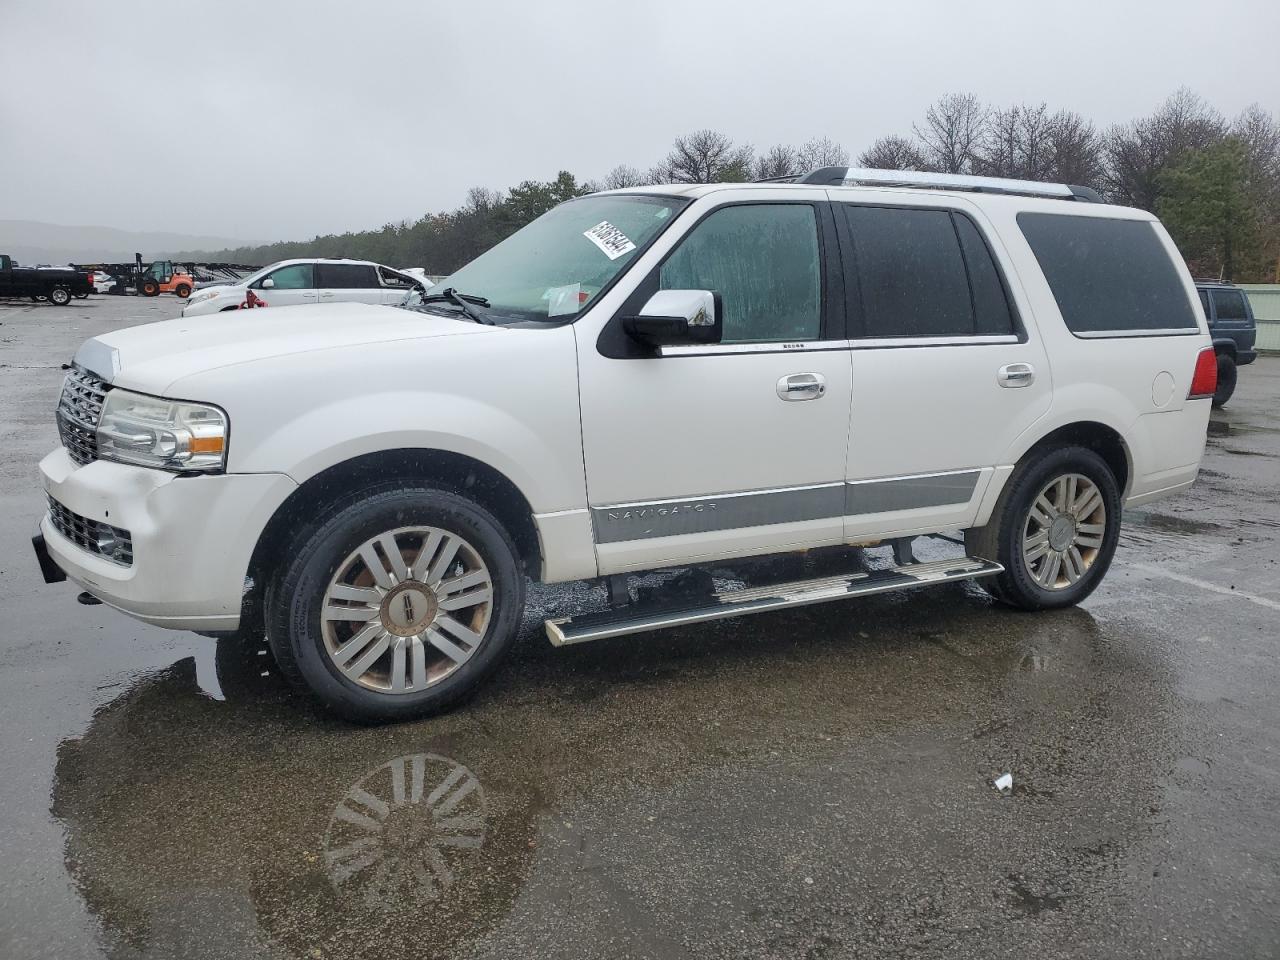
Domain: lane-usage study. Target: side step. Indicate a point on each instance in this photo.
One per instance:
(639, 617)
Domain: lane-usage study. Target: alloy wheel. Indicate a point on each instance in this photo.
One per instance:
(406, 609)
(1063, 534)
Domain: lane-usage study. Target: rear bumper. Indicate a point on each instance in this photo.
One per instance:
(192, 537)
(1245, 356)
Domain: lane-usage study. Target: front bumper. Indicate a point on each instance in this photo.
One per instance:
(192, 537)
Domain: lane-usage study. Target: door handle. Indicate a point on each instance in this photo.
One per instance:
(802, 386)
(1016, 375)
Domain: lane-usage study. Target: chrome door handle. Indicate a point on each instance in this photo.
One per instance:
(802, 386)
(1016, 375)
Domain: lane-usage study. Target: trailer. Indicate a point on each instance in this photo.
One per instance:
(165, 276)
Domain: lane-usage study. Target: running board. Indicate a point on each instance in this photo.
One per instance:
(639, 617)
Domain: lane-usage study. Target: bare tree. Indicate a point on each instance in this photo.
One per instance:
(1016, 143)
(623, 176)
(952, 133)
(705, 156)
(1137, 153)
(777, 161)
(892, 153)
(822, 152)
(1075, 149)
(1260, 134)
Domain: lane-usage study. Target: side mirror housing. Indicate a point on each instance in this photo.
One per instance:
(268, 283)
(675, 317)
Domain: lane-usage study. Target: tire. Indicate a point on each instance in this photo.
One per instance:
(36, 298)
(325, 571)
(182, 291)
(1041, 480)
(1227, 375)
(82, 296)
(149, 288)
(59, 296)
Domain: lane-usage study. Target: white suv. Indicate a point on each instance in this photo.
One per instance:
(654, 378)
(291, 283)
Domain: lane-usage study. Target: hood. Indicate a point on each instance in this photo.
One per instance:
(152, 356)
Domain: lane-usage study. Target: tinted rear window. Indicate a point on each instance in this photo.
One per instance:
(1229, 304)
(1108, 275)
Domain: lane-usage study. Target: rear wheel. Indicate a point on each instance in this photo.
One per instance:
(60, 296)
(1227, 375)
(182, 291)
(82, 296)
(1054, 530)
(397, 604)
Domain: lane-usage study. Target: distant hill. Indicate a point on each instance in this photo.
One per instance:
(30, 241)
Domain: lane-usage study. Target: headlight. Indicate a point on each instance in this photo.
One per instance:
(202, 297)
(154, 432)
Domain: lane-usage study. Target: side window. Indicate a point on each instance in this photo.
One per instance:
(991, 314)
(1108, 275)
(392, 279)
(1204, 303)
(911, 272)
(763, 261)
(296, 276)
(1229, 304)
(346, 276)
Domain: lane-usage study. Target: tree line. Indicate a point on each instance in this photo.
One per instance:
(1213, 180)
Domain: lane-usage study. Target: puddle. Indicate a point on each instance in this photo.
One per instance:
(1172, 524)
(1219, 428)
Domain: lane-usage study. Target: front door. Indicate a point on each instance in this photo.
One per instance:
(291, 285)
(704, 452)
(945, 376)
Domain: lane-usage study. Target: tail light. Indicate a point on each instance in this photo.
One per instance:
(1205, 379)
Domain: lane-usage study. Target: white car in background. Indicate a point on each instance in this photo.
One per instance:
(307, 281)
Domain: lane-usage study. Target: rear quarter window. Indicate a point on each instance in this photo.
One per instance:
(1110, 277)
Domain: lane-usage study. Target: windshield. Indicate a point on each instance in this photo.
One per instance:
(552, 268)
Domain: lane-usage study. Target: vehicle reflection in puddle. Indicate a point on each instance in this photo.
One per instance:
(657, 790)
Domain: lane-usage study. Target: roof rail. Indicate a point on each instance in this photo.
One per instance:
(865, 176)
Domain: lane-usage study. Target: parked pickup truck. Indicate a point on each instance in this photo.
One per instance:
(55, 285)
(664, 377)
(1233, 329)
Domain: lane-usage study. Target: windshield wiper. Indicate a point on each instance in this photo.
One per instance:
(462, 301)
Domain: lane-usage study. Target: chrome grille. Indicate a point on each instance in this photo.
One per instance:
(78, 411)
(101, 539)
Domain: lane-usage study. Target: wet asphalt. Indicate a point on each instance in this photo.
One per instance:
(811, 784)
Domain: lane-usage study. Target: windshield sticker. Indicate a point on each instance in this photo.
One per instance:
(613, 243)
(563, 300)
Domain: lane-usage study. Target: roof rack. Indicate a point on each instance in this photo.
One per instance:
(865, 176)
(1213, 281)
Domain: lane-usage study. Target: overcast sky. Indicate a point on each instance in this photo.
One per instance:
(279, 120)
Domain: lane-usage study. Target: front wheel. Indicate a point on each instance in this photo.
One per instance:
(396, 604)
(1054, 530)
(1227, 374)
(150, 288)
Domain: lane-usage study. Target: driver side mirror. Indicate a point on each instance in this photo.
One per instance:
(675, 317)
(268, 283)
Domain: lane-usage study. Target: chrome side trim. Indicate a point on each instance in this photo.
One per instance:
(720, 605)
(881, 343)
(820, 346)
(909, 493)
(757, 508)
(729, 511)
(1113, 334)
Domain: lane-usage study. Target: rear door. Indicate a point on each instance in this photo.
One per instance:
(348, 283)
(945, 376)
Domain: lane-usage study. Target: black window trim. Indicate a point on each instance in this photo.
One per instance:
(615, 344)
(859, 339)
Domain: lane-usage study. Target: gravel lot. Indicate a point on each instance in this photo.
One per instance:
(814, 783)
